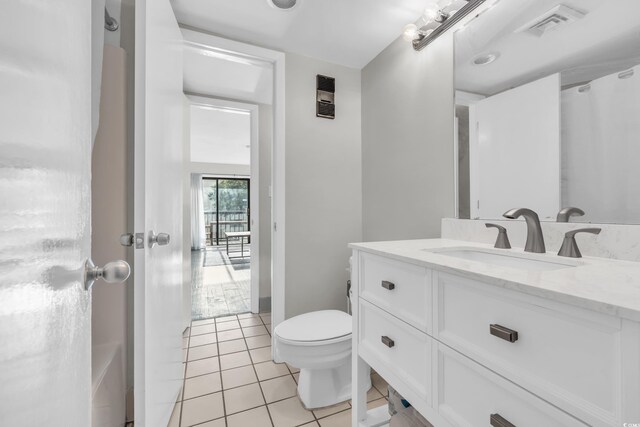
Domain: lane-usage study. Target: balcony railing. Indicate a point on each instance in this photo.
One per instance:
(228, 221)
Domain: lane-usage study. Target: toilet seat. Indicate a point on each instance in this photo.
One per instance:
(315, 328)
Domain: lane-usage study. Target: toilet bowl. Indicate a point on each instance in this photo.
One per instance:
(319, 344)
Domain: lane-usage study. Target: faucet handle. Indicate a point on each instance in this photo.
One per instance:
(570, 246)
(568, 212)
(502, 242)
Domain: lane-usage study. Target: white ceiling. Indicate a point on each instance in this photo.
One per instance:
(220, 136)
(346, 32)
(226, 75)
(605, 40)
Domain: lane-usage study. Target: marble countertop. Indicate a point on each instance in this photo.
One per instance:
(599, 284)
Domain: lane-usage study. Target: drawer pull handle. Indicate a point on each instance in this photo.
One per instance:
(388, 285)
(503, 332)
(497, 421)
(388, 341)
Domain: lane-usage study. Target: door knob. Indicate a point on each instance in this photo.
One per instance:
(129, 239)
(112, 272)
(160, 239)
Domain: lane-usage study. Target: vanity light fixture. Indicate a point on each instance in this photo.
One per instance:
(437, 19)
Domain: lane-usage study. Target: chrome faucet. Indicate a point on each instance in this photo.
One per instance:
(535, 240)
(566, 213)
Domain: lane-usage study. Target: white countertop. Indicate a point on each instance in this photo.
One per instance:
(599, 284)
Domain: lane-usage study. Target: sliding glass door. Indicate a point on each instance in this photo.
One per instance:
(226, 207)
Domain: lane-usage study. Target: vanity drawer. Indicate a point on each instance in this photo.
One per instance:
(567, 356)
(471, 395)
(402, 289)
(390, 345)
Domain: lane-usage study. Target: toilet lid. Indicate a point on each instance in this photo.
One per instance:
(315, 326)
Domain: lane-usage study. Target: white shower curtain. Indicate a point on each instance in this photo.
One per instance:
(198, 238)
(601, 148)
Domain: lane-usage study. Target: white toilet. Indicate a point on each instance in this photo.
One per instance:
(319, 344)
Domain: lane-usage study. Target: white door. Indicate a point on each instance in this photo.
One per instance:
(45, 217)
(514, 151)
(158, 209)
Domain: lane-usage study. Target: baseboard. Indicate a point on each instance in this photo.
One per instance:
(264, 305)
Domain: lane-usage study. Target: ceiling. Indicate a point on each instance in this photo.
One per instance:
(220, 136)
(605, 40)
(226, 75)
(346, 32)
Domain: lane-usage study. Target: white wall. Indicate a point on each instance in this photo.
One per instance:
(407, 141)
(323, 188)
(265, 138)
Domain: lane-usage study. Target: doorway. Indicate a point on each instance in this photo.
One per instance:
(221, 271)
(224, 210)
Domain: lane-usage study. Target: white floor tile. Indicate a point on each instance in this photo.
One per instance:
(289, 413)
(238, 377)
(258, 417)
(204, 384)
(202, 366)
(242, 398)
(268, 370)
(201, 409)
(235, 360)
(279, 388)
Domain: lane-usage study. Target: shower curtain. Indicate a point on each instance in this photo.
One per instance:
(198, 238)
(601, 148)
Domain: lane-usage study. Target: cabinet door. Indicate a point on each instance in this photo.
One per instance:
(470, 395)
(392, 346)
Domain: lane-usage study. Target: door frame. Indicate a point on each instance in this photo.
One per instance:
(254, 181)
(221, 46)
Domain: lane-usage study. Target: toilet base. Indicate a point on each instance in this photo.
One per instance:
(318, 388)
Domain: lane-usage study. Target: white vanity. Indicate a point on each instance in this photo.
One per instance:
(476, 336)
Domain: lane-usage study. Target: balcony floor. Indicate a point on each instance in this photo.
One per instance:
(219, 286)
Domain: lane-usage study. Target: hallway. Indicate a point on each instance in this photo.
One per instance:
(221, 286)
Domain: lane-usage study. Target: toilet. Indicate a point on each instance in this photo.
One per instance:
(319, 344)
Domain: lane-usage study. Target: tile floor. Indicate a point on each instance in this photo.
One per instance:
(230, 380)
(220, 286)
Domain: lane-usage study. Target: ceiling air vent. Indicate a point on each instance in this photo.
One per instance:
(551, 20)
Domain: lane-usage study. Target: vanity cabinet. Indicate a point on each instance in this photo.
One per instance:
(469, 353)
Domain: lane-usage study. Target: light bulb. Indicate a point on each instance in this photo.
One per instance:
(431, 12)
(410, 32)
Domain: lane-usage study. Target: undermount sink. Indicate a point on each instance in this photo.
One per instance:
(511, 260)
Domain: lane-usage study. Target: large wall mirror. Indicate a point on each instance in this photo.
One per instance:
(548, 110)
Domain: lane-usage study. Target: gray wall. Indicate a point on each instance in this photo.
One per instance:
(407, 141)
(323, 186)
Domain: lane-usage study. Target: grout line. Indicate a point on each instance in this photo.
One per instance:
(224, 404)
(259, 385)
(184, 376)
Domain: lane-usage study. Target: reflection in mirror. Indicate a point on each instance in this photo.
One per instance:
(548, 110)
